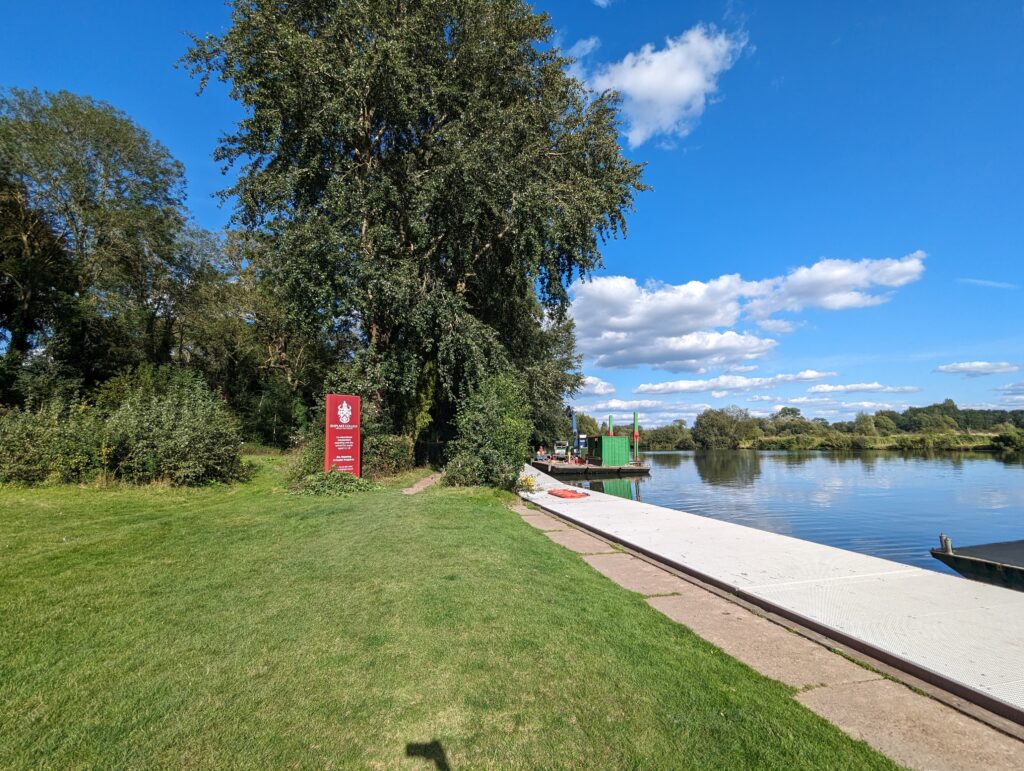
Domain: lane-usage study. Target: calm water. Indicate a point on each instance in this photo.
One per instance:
(884, 504)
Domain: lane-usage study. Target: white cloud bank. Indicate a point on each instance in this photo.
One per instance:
(595, 386)
(665, 90)
(730, 383)
(978, 368)
(853, 388)
(685, 327)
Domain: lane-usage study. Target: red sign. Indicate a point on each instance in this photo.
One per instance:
(341, 452)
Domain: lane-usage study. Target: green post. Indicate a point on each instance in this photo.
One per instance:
(611, 425)
(636, 437)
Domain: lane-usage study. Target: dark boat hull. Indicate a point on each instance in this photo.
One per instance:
(978, 568)
(557, 469)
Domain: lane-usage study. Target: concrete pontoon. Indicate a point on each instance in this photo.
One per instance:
(962, 636)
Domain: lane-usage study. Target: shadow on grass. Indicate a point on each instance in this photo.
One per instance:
(432, 751)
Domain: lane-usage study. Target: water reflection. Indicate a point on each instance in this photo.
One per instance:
(728, 467)
(620, 487)
(667, 459)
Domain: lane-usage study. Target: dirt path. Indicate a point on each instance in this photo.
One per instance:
(423, 484)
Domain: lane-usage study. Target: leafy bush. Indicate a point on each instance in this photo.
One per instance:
(385, 455)
(1009, 441)
(59, 442)
(715, 430)
(464, 470)
(335, 483)
(493, 435)
(170, 427)
(307, 456)
(929, 442)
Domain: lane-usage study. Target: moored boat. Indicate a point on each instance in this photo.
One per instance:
(1000, 564)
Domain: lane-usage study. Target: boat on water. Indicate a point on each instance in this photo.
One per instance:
(1000, 564)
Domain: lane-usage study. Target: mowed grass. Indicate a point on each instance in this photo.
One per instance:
(242, 627)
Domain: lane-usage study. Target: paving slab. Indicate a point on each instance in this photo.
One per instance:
(579, 542)
(917, 732)
(962, 634)
(636, 575)
(544, 522)
(759, 643)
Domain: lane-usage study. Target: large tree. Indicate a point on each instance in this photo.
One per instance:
(90, 183)
(427, 171)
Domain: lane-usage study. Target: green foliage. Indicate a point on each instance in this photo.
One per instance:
(450, 183)
(864, 425)
(335, 483)
(675, 436)
(493, 435)
(148, 425)
(114, 278)
(885, 425)
(1009, 440)
(385, 455)
(168, 426)
(585, 424)
(57, 442)
(724, 429)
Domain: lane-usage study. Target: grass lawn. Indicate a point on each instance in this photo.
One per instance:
(239, 626)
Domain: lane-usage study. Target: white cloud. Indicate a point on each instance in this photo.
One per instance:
(665, 90)
(837, 285)
(595, 386)
(778, 326)
(978, 368)
(584, 47)
(852, 388)
(602, 3)
(619, 404)
(621, 323)
(730, 383)
(743, 368)
(988, 284)
(1013, 389)
(693, 352)
(823, 406)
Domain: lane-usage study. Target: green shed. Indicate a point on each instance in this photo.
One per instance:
(609, 450)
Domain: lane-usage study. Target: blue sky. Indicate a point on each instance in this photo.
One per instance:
(838, 204)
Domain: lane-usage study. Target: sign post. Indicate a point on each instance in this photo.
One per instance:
(341, 448)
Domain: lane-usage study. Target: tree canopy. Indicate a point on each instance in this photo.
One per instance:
(429, 173)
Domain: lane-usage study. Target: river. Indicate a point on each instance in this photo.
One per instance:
(884, 504)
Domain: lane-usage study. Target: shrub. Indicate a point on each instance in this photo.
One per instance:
(335, 483)
(58, 442)
(169, 426)
(1009, 441)
(385, 455)
(307, 456)
(493, 434)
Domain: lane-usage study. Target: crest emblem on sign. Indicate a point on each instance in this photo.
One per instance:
(344, 413)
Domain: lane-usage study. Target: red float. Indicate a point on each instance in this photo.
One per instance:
(341, 451)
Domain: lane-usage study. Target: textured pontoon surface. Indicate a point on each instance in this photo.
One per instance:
(968, 633)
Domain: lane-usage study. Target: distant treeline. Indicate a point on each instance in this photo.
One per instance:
(942, 426)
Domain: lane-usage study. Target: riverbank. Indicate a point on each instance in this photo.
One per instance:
(957, 442)
(237, 625)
